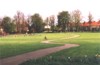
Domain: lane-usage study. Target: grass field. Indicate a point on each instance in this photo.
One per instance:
(88, 53)
(12, 45)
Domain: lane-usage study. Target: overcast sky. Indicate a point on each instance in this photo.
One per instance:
(49, 7)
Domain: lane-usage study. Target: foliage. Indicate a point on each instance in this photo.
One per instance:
(37, 23)
(63, 20)
(8, 26)
(12, 28)
(64, 60)
(34, 23)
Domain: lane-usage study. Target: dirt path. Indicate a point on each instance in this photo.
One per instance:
(50, 41)
(47, 41)
(72, 37)
(34, 55)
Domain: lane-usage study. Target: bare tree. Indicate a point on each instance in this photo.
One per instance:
(76, 18)
(47, 21)
(21, 23)
(17, 20)
(90, 18)
(52, 22)
(47, 24)
(71, 22)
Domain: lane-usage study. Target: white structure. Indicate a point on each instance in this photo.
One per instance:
(47, 27)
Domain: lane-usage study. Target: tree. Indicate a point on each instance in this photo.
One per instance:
(49, 23)
(12, 27)
(24, 27)
(90, 18)
(63, 20)
(29, 20)
(17, 18)
(24, 24)
(21, 22)
(72, 22)
(7, 25)
(76, 14)
(47, 26)
(37, 23)
(52, 22)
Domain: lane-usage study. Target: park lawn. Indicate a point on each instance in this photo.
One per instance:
(88, 53)
(12, 45)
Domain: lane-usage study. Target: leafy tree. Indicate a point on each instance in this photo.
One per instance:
(63, 20)
(37, 23)
(12, 28)
(7, 25)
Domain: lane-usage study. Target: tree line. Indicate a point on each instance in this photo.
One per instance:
(65, 22)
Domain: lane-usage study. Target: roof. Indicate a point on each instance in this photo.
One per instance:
(92, 23)
(86, 24)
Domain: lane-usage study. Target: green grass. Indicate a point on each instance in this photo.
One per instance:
(12, 45)
(88, 53)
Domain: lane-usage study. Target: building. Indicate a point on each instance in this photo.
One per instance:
(91, 26)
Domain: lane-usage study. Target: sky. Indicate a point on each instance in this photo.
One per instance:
(49, 7)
